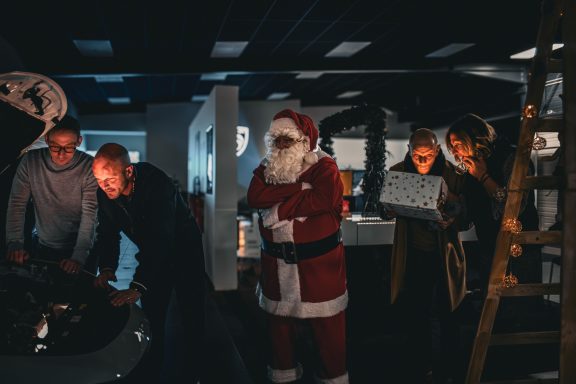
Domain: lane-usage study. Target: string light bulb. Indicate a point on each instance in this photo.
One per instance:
(509, 281)
(530, 111)
(538, 143)
(516, 250)
(513, 225)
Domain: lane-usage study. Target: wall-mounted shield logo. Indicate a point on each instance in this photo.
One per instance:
(242, 137)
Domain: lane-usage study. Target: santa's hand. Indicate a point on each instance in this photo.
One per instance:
(306, 186)
(301, 219)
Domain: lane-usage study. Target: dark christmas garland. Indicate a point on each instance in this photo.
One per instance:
(374, 118)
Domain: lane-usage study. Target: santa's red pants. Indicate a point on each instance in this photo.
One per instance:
(329, 338)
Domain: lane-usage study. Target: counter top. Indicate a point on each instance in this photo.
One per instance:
(358, 230)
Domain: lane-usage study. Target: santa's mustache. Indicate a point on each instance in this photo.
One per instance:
(284, 165)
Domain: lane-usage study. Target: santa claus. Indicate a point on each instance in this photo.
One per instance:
(298, 192)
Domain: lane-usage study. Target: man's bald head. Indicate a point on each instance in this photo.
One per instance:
(113, 171)
(423, 137)
(424, 149)
(113, 153)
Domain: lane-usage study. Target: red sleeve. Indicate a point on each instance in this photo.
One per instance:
(263, 195)
(324, 197)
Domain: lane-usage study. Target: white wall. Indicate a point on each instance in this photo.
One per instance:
(220, 208)
(167, 137)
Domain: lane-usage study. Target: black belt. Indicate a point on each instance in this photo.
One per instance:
(291, 253)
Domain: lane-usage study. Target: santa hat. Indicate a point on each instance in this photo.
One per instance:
(290, 120)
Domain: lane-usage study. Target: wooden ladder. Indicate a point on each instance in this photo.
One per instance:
(555, 13)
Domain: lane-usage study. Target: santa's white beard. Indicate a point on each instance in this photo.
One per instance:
(285, 165)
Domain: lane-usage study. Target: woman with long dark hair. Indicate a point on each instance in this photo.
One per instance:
(488, 160)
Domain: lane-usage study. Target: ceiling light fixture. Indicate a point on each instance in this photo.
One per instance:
(94, 48)
(278, 96)
(109, 78)
(199, 97)
(348, 48)
(529, 53)
(309, 75)
(227, 49)
(449, 50)
(119, 100)
(214, 76)
(349, 94)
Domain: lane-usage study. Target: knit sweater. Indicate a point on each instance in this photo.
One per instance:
(64, 198)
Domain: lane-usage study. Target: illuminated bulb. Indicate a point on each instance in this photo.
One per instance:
(530, 111)
(538, 143)
(509, 281)
(516, 250)
(513, 225)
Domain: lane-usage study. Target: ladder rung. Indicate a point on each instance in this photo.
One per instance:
(532, 290)
(550, 125)
(555, 66)
(538, 237)
(542, 182)
(522, 338)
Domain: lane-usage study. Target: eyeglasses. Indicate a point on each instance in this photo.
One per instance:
(60, 148)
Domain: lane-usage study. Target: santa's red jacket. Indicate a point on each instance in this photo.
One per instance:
(315, 286)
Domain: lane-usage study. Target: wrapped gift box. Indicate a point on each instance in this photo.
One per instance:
(414, 195)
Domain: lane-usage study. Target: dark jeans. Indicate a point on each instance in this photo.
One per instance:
(190, 306)
(431, 329)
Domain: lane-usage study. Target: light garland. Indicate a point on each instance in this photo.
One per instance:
(516, 250)
(512, 225)
(509, 281)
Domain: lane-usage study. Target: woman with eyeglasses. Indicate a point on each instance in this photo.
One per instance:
(488, 159)
(59, 182)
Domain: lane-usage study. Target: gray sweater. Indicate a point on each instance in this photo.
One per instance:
(64, 199)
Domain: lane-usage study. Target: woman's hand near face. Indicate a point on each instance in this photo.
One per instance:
(476, 166)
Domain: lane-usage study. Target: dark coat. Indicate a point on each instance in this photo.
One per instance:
(158, 221)
(454, 262)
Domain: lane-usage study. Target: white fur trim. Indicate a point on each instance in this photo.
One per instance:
(289, 281)
(291, 303)
(283, 233)
(285, 375)
(336, 380)
(302, 309)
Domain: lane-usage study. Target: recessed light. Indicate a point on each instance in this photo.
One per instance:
(199, 97)
(309, 75)
(109, 78)
(94, 48)
(349, 94)
(119, 100)
(449, 50)
(278, 96)
(529, 53)
(348, 48)
(214, 76)
(228, 48)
